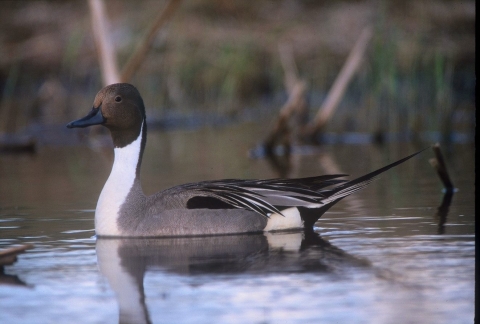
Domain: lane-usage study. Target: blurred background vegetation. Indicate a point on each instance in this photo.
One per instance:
(218, 60)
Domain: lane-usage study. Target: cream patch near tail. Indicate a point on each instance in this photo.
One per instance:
(290, 220)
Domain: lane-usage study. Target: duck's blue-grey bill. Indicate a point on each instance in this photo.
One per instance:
(94, 117)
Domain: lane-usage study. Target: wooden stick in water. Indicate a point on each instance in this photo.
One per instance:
(438, 164)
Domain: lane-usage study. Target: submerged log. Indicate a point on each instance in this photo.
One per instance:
(8, 256)
(13, 144)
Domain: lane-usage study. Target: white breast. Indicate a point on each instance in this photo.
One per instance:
(117, 188)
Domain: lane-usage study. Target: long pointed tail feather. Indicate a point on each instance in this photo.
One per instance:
(311, 215)
(347, 188)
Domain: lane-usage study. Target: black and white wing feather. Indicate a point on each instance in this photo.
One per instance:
(265, 196)
(270, 196)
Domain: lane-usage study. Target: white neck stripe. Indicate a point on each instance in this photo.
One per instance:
(117, 187)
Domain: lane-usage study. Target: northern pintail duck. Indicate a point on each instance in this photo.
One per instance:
(202, 208)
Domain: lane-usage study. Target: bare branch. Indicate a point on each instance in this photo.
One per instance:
(106, 52)
(141, 51)
(295, 103)
(341, 82)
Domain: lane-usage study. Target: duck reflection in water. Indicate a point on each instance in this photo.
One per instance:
(124, 261)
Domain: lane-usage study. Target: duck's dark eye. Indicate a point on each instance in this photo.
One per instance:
(118, 98)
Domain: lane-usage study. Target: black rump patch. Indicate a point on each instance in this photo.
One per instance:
(199, 202)
(311, 215)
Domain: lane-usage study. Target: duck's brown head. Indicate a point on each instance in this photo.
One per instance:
(120, 108)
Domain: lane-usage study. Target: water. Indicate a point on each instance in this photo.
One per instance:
(377, 256)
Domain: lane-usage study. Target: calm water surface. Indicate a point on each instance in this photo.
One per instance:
(379, 256)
